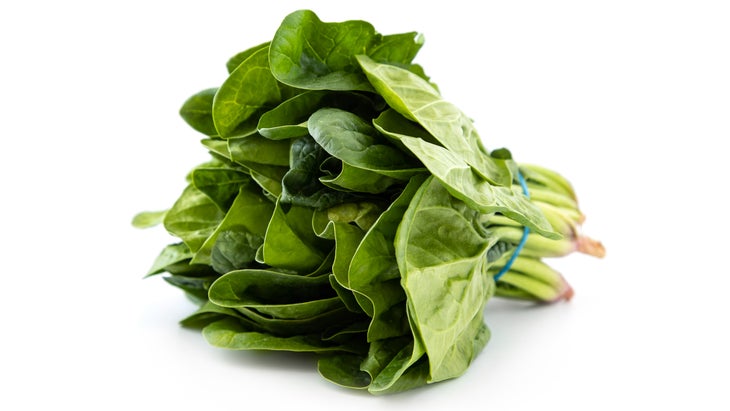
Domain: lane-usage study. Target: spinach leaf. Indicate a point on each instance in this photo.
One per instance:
(289, 119)
(414, 98)
(217, 147)
(234, 335)
(234, 249)
(196, 288)
(347, 238)
(362, 214)
(193, 218)
(147, 219)
(392, 124)
(290, 241)
(310, 54)
(392, 365)
(208, 313)
(278, 295)
(396, 364)
(250, 90)
(349, 138)
(344, 370)
(176, 259)
(301, 186)
(373, 270)
(244, 225)
(444, 275)
(220, 184)
(466, 185)
(197, 111)
(259, 150)
(244, 287)
(342, 176)
(239, 58)
(319, 324)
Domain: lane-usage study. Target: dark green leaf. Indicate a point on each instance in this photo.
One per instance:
(196, 287)
(176, 259)
(289, 119)
(197, 111)
(244, 288)
(248, 215)
(301, 186)
(206, 314)
(232, 334)
(193, 218)
(310, 54)
(249, 91)
(319, 324)
(373, 270)
(354, 141)
(234, 249)
(220, 184)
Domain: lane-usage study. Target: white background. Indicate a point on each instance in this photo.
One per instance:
(629, 99)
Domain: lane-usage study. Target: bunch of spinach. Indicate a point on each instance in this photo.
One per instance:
(349, 211)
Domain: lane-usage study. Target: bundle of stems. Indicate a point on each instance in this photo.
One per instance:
(527, 275)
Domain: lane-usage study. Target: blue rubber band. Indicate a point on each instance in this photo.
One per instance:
(525, 233)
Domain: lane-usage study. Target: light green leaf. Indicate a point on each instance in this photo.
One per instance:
(290, 241)
(148, 219)
(259, 150)
(416, 99)
(441, 252)
(466, 185)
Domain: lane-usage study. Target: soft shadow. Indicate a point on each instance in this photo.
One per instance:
(263, 359)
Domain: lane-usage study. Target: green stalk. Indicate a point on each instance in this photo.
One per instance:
(561, 221)
(545, 195)
(536, 288)
(508, 291)
(572, 214)
(533, 278)
(537, 269)
(536, 245)
(549, 178)
(539, 246)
